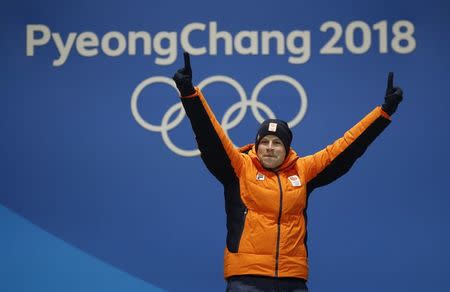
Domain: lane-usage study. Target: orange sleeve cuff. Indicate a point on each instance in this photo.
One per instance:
(193, 94)
(384, 114)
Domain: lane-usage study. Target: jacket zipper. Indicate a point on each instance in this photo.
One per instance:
(278, 227)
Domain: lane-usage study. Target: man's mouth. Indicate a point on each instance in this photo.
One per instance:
(269, 156)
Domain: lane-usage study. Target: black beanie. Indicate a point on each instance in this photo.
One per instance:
(275, 127)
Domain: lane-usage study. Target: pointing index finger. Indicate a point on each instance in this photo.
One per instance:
(187, 61)
(390, 83)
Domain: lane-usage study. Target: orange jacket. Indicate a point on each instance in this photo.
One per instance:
(266, 210)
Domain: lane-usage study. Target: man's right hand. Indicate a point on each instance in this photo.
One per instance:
(394, 95)
(183, 77)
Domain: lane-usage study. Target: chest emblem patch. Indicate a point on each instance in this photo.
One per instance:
(295, 180)
(260, 176)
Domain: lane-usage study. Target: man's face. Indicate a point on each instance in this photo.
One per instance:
(271, 151)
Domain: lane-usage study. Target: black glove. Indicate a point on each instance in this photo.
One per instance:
(183, 77)
(394, 95)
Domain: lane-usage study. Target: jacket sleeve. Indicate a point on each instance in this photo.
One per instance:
(218, 153)
(336, 159)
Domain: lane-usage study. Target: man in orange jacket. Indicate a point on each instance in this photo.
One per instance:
(266, 187)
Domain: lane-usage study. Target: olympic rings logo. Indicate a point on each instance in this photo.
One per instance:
(226, 124)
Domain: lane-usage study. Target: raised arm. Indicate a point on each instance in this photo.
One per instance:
(217, 151)
(336, 159)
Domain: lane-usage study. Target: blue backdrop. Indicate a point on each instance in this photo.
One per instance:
(100, 186)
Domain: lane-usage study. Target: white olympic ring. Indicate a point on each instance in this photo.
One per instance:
(241, 105)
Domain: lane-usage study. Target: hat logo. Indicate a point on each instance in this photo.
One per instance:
(272, 127)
